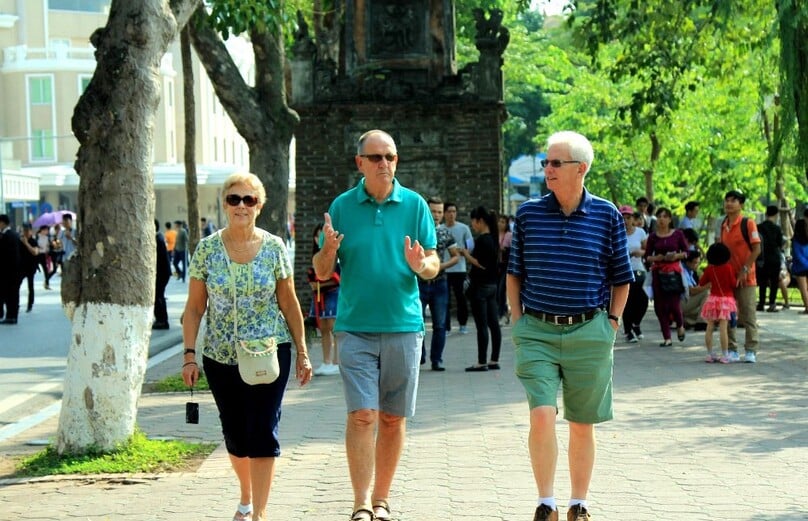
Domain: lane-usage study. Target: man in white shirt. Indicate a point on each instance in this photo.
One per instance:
(691, 219)
(456, 274)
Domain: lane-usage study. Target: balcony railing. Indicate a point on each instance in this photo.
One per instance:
(22, 54)
(61, 57)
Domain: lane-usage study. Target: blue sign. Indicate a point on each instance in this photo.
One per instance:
(537, 185)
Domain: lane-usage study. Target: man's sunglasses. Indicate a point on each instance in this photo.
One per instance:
(234, 200)
(555, 163)
(376, 158)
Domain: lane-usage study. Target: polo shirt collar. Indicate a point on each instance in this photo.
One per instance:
(363, 196)
(583, 207)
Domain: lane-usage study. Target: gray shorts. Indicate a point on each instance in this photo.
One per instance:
(380, 371)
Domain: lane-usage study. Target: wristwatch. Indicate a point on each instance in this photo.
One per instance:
(615, 318)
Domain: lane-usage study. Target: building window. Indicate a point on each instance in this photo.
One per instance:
(86, 6)
(40, 90)
(42, 145)
(170, 95)
(84, 82)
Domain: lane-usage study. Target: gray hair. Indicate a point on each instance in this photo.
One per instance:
(580, 148)
(360, 145)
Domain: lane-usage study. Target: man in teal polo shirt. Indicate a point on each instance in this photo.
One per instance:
(383, 235)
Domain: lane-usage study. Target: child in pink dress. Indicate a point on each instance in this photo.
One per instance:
(720, 304)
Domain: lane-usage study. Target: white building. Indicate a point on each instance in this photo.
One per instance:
(47, 62)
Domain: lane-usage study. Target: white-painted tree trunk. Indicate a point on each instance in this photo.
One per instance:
(103, 377)
(108, 285)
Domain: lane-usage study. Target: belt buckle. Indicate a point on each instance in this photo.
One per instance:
(567, 320)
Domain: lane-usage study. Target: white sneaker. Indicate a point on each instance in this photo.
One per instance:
(733, 357)
(750, 357)
(322, 370)
(463, 330)
(331, 369)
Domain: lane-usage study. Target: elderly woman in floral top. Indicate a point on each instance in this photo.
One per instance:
(254, 265)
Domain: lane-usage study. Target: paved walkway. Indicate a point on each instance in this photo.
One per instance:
(690, 441)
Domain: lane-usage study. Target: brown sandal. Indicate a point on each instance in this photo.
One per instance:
(384, 506)
(363, 514)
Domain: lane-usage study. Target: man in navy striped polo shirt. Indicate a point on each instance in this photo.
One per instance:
(568, 281)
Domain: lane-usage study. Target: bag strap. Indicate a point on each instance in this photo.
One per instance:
(233, 285)
(744, 230)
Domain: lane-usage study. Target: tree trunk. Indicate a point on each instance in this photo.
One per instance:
(108, 288)
(260, 113)
(191, 187)
(656, 149)
(272, 157)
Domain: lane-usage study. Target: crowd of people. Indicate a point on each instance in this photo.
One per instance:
(23, 253)
(666, 260)
(564, 272)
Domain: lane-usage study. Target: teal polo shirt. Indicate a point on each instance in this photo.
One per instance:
(378, 290)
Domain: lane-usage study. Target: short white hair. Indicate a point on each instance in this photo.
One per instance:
(360, 145)
(580, 148)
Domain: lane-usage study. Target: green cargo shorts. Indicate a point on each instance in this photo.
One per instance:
(579, 358)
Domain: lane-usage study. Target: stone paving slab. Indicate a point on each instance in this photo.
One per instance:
(690, 441)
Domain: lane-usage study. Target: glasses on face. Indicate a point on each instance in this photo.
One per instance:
(555, 163)
(235, 200)
(377, 158)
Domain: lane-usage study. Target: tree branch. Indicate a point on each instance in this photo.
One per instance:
(238, 99)
(269, 78)
(183, 9)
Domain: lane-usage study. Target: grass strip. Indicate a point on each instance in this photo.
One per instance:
(138, 454)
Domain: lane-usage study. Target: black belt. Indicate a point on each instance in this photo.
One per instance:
(431, 281)
(562, 320)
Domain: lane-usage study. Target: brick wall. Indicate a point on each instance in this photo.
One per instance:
(453, 150)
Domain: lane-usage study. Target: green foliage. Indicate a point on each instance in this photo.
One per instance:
(242, 16)
(793, 32)
(659, 42)
(711, 134)
(139, 454)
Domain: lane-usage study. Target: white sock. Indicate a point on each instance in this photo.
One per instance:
(581, 502)
(549, 501)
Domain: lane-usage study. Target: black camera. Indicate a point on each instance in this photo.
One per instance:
(191, 412)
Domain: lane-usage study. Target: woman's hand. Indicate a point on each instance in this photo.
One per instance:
(303, 368)
(190, 373)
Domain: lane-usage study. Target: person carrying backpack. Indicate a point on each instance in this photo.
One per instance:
(734, 232)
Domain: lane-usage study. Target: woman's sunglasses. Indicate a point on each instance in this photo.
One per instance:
(234, 200)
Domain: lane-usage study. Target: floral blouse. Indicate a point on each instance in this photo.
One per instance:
(257, 304)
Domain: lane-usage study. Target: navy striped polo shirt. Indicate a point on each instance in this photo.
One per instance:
(568, 264)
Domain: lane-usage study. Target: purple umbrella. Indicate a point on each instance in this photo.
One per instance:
(51, 218)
